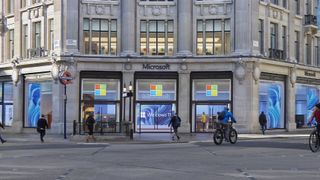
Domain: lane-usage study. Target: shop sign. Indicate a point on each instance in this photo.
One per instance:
(156, 90)
(310, 73)
(65, 77)
(156, 66)
(100, 90)
(211, 90)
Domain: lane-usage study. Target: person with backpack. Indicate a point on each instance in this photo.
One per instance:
(175, 123)
(315, 115)
(263, 122)
(224, 117)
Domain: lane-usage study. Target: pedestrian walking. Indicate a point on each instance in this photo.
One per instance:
(2, 140)
(90, 124)
(203, 120)
(42, 125)
(175, 123)
(263, 122)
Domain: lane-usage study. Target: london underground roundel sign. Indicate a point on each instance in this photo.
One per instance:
(65, 77)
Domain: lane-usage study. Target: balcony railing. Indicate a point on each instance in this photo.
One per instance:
(276, 54)
(37, 52)
(310, 20)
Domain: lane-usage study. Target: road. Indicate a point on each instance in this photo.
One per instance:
(285, 158)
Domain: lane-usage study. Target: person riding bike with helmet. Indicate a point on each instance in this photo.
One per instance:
(227, 117)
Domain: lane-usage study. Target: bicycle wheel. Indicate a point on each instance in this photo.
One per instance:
(314, 143)
(218, 137)
(233, 136)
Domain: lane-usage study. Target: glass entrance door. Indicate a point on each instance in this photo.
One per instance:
(153, 117)
(205, 114)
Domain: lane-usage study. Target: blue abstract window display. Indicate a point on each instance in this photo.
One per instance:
(307, 96)
(34, 99)
(271, 101)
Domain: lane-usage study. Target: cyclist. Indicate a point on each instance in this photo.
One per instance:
(316, 115)
(226, 116)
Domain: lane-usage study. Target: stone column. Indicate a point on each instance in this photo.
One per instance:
(184, 102)
(71, 26)
(57, 109)
(127, 77)
(58, 28)
(290, 106)
(17, 29)
(184, 28)
(242, 27)
(17, 123)
(128, 28)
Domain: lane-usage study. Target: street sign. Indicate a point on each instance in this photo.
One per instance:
(65, 77)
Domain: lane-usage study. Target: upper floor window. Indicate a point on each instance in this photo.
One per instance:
(25, 41)
(273, 36)
(99, 36)
(156, 37)
(10, 44)
(297, 45)
(23, 3)
(156, 0)
(307, 51)
(213, 37)
(261, 36)
(275, 2)
(284, 41)
(51, 34)
(37, 35)
(10, 6)
(297, 7)
(317, 51)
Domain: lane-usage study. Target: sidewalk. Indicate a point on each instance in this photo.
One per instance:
(152, 138)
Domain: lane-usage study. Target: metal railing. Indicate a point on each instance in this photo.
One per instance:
(100, 127)
(276, 54)
(310, 20)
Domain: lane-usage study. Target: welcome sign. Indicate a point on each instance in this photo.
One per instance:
(156, 90)
(100, 90)
(212, 90)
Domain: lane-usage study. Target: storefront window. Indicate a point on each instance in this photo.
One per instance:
(271, 102)
(307, 96)
(38, 100)
(102, 98)
(211, 89)
(156, 104)
(6, 103)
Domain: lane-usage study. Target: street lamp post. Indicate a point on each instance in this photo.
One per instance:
(129, 95)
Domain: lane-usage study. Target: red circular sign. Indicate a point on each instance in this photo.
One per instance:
(65, 77)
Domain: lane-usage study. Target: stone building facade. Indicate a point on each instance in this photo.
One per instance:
(191, 57)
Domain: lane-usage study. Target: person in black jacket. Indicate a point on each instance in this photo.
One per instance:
(263, 122)
(175, 122)
(2, 140)
(42, 125)
(90, 124)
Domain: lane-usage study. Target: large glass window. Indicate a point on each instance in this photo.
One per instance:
(308, 54)
(156, 90)
(213, 37)
(6, 103)
(156, 37)
(99, 36)
(271, 102)
(211, 89)
(102, 98)
(51, 35)
(307, 96)
(38, 99)
(10, 6)
(284, 41)
(297, 46)
(261, 36)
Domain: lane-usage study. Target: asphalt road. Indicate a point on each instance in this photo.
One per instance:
(287, 158)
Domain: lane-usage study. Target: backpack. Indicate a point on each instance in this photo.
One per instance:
(178, 121)
(221, 115)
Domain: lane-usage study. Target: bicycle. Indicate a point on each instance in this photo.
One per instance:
(218, 135)
(314, 140)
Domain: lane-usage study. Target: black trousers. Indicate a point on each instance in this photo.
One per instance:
(42, 134)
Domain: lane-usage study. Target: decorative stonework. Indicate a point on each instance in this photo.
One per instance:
(256, 71)
(101, 8)
(293, 75)
(208, 7)
(35, 13)
(240, 70)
